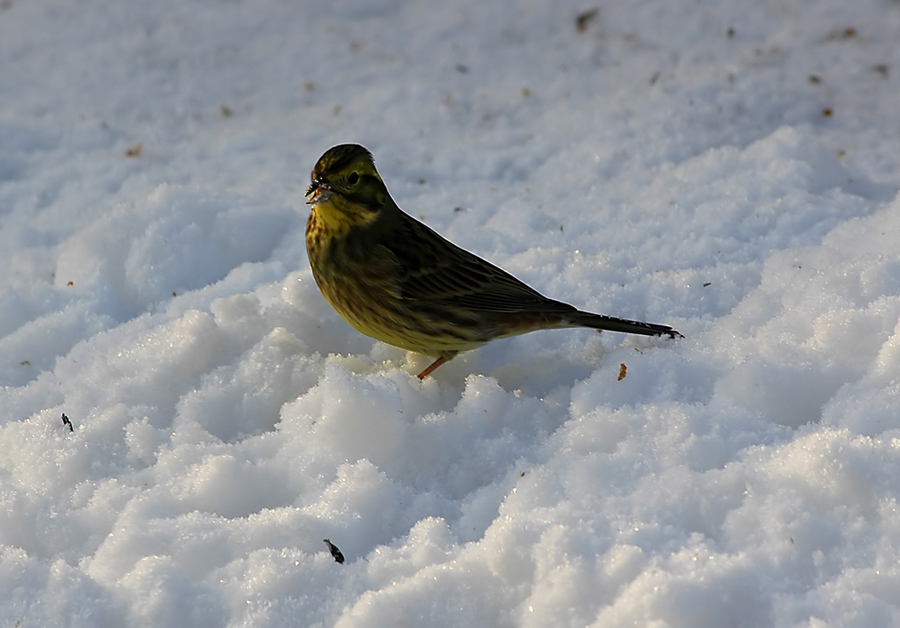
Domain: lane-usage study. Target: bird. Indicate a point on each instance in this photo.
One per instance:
(395, 279)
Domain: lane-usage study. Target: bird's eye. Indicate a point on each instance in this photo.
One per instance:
(353, 178)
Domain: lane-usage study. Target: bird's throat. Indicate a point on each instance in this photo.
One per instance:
(335, 216)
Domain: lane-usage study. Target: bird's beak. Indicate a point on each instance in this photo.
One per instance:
(318, 192)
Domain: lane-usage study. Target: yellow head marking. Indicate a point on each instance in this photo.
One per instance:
(346, 190)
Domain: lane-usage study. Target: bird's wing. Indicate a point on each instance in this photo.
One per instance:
(434, 270)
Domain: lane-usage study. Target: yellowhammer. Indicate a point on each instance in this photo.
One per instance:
(396, 280)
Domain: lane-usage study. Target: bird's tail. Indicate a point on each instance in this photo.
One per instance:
(610, 323)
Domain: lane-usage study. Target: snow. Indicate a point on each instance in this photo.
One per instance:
(729, 169)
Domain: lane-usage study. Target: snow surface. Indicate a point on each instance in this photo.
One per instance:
(727, 168)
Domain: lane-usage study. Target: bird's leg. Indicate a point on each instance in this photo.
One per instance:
(433, 367)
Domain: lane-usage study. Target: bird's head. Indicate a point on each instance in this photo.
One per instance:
(345, 176)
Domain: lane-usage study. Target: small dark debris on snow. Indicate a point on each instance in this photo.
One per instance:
(585, 18)
(335, 552)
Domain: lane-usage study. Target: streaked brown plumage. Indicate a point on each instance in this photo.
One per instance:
(394, 279)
